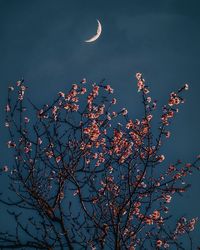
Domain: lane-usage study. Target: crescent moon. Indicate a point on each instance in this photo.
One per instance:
(95, 37)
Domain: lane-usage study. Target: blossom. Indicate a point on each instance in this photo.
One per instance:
(114, 101)
(95, 90)
(149, 117)
(192, 223)
(83, 80)
(5, 168)
(186, 86)
(49, 154)
(61, 94)
(58, 159)
(39, 141)
(124, 111)
(11, 144)
(140, 85)
(167, 134)
(161, 158)
(7, 109)
(149, 221)
(167, 198)
(146, 91)
(138, 76)
(67, 106)
(26, 119)
(156, 215)
(75, 107)
(109, 89)
(148, 99)
(76, 192)
(83, 91)
(11, 88)
(7, 124)
(159, 243)
(27, 150)
(74, 86)
(18, 83)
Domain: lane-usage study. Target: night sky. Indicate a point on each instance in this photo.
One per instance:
(43, 42)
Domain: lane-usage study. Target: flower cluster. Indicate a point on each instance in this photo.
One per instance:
(95, 170)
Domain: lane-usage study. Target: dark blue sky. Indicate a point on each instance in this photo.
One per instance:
(43, 41)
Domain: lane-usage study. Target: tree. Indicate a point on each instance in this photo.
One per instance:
(91, 177)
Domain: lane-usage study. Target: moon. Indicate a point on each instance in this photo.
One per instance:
(95, 37)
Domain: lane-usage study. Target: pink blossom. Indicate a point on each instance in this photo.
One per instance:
(140, 85)
(161, 158)
(109, 89)
(156, 215)
(167, 198)
(5, 168)
(74, 86)
(83, 80)
(138, 76)
(186, 86)
(58, 159)
(11, 144)
(114, 101)
(159, 243)
(124, 111)
(26, 119)
(39, 141)
(7, 109)
(83, 91)
(11, 88)
(61, 94)
(76, 192)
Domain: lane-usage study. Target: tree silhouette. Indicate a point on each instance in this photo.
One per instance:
(88, 177)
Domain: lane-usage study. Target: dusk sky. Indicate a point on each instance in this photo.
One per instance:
(43, 42)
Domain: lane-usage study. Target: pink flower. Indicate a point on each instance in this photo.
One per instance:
(138, 76)
(61, 94)
(76, 192)
(58, 159)
(124, 111)
(18, 83)
(149, 221)
(140, 85)
(149, 117)
(11, 88)
(161, 158)
(27, 150)
(75, 107)
(95, 90)
(148, 99)
(11, 144)
(156, 215)
(83, 80)
(159, 243)
(186, 86)
(167, 134)
(67, 106)
(39, 141)
(7, 124)
(49, 154)
(7, 109)
(114, 101)
(26, 119)
(83, 91)
(167, 198)
(146, 91)
(74, 86)
(109, 89)
(5, 168)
